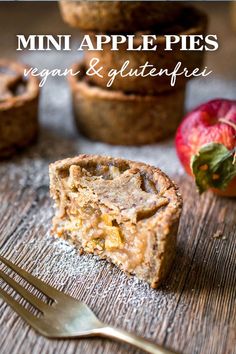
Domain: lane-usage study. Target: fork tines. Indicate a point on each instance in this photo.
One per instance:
(46, 289)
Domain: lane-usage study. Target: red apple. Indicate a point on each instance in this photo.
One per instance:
(206, 146)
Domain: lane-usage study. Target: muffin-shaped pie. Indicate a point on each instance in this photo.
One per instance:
(18, 108)
(191, 22)
(123, 211)
(118, 16)
(118, 118)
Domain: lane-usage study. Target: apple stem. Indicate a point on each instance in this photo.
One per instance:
(227, 121)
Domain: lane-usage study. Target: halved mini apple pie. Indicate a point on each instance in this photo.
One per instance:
(123, 211)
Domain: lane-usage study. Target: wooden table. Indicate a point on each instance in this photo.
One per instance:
(194, 311)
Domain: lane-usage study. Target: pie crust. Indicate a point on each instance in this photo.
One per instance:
(118, 118)
(18, 108)
(191, 22)
(118, 16)
(124, 211)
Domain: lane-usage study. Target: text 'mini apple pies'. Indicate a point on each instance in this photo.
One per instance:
(123, 211)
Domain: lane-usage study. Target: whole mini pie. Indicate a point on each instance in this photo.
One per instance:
(123, 211)
(118, 16)
(118, 118)
(18, 108)
(191, 22)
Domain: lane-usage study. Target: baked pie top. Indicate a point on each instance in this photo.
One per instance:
(15, 88)
(134, 191)
(116, 193)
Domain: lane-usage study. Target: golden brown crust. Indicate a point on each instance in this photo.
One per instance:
(18, 107)
(118, 16)
(167, 220)
(192, 21)
(124, 119)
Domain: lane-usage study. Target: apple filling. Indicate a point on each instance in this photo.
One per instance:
(109, 211)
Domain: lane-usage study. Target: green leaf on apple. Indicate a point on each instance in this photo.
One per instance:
(214, 166)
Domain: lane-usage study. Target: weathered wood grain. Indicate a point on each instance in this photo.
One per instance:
(194, 310)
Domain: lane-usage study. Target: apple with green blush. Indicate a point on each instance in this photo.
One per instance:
(206, 146)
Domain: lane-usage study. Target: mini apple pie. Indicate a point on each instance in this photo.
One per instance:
(191, 22)
(118, 16)
(18, 108)
(123, 211)
(118, 118)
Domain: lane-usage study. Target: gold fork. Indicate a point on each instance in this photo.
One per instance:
(64, 317)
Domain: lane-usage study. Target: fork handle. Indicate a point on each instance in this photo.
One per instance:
(138, 342)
